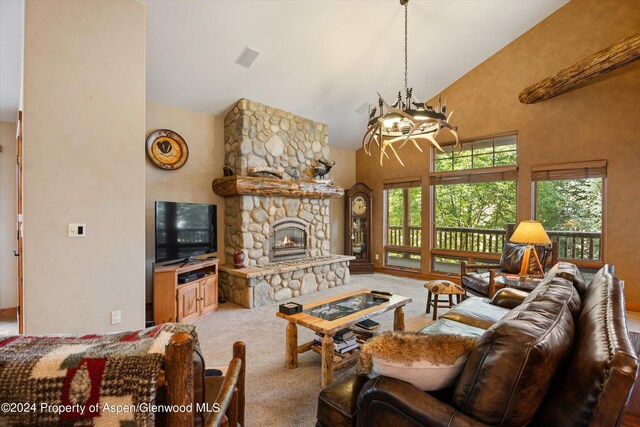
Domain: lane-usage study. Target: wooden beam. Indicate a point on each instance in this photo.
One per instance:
(606, 60)
(261, 186)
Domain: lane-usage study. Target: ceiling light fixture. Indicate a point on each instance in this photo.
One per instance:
(406, 120)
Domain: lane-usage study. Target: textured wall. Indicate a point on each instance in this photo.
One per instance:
(259, 135)
(192, 182)
(344, 175)
(597, 121)
(84, 127)
(8, 266)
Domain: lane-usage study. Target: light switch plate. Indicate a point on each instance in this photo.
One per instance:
(116, 317)
(77, 230)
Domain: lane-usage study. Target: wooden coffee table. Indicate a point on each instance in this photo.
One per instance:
(330, 324)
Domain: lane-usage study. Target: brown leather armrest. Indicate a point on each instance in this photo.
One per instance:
(385, 398)
(509, 298)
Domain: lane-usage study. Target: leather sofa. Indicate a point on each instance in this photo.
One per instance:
(558, 356)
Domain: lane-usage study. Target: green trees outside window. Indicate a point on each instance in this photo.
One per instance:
(571, 212)
(404, 227)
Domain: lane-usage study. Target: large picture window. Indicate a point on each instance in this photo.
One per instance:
(403, 205)
(474, 198)
(569, 201)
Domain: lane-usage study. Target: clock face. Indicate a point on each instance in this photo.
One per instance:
(359, 205)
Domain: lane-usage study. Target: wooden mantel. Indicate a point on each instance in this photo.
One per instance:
(259, 186)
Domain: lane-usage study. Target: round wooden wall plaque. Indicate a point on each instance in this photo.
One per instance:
(166, 149)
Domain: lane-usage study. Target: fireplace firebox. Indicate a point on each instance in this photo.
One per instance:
(289, 239)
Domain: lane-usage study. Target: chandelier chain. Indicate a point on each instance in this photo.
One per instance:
(406, 42)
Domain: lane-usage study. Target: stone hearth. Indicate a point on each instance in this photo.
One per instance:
(257, 286)
(258, 135)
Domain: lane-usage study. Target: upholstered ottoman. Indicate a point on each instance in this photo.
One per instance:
(435, 288)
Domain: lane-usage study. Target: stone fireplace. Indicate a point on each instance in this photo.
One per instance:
(282, 226)
(288, 239)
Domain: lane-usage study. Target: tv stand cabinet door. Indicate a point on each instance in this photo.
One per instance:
(209, 295)
(188, 299)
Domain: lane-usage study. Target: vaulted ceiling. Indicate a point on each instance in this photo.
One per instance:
(321, 59)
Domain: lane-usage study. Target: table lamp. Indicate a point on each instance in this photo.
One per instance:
(530, 233)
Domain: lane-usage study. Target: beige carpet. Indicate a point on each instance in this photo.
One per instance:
(287, 397)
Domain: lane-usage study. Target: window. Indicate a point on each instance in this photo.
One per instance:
(477, 154)
(474, 198)
(569, 203)
(403, 204)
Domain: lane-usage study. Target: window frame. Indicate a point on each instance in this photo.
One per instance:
(468, 176)
(473, 155)
(568, 171)
(405, 184)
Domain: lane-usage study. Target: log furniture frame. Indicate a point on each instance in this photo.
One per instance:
(226, 392)
(328, 328)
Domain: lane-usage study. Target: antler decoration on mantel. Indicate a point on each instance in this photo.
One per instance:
(415, 128)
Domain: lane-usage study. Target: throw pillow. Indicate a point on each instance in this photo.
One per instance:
(429, 362)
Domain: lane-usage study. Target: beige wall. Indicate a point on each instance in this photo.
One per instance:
(84, 129)
(344, 175)
(204, 134)
(597, 121)
(8, 287)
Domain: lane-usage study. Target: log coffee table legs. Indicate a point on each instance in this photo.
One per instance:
(327, 360)
(398, 319)
(291, 361)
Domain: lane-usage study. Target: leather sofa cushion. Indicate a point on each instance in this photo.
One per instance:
(558, 290)
(570, 272)
(594, 388)
(507, 376)
(337, 404)
(446, 326)
(478, 312)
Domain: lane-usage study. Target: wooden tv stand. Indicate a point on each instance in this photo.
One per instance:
(184, 302)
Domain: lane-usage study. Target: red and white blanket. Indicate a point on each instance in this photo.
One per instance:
(88, 380)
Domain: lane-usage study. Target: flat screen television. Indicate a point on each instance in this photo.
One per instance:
(185, 230)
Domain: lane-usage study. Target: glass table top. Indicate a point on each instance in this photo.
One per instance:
(343, 307)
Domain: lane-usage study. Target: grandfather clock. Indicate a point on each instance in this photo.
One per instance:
(357, 227)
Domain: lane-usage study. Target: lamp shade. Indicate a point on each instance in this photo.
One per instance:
(530, 233)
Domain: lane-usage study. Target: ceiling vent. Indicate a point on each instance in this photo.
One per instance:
(247, 56)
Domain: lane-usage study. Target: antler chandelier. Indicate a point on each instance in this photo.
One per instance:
(406, 120)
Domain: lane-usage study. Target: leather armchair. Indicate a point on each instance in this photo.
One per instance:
(495, 277)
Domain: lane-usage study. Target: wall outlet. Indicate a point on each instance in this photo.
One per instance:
(77, 230)
(116, 317)
(377, 257)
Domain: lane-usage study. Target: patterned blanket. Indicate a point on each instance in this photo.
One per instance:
(88, 380)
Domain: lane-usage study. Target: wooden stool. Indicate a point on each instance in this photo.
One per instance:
(442, 287)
